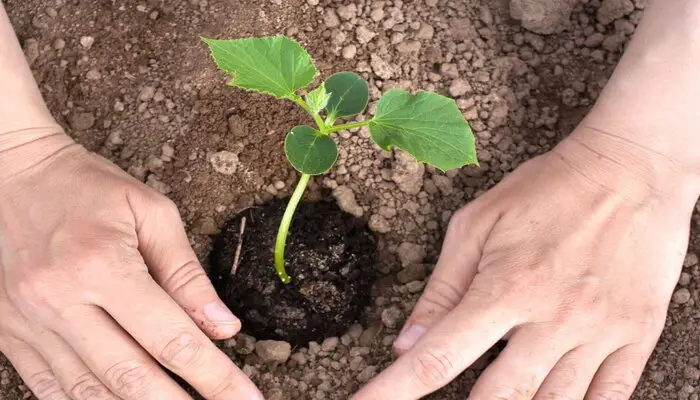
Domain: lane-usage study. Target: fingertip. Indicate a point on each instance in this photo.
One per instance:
(220, 323)
(409, 336)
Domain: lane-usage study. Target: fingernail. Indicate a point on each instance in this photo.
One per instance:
(218, 313)
(409, 336)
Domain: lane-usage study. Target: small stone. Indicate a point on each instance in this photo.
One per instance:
(681, 296)
(415, 286)
(93, 75)
(59, 44)
(118, 106)
(147, 93)
(367, 373)
(273, 351)
(658, 376)
(224, 162)
(347, 12)
(411, 253)
(542, 16)
(364, 35)
(460, 87)
(330, 344)
(377, 14)
(206, 226)
(407, 173)
(114, 140)
(610, 10)
(81, 121)
(684, 279)
(392, 316)
(245, 344)
(425, 32)
(413, 272)
(157, 185)
(346, 201)
(31, 51)
(87, 42)
(594, 40)
(379, 224)
(168, 150)
(349, 51)
(331, 19)
(443, 183)
(691, 260)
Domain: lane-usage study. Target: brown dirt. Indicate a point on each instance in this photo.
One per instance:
(148, 83)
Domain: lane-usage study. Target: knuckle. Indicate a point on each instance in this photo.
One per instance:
(435, 366)
(88, 387)
(45, 386)
(461, 220)
(441, 295)
(130, 379)
(224, 389)
(182, 352)
(188, 275)
(33, 288)
(612, 390)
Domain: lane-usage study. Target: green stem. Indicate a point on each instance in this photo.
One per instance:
(284, 227)
(344, 127)
(317, 118)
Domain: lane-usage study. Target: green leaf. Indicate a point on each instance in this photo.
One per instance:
(427, 125)
(317, 99)
(274, 65)
(309, 151)
(349, 95)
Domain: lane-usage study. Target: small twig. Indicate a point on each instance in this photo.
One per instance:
(237, 257)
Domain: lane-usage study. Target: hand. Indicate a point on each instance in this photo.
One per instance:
(573, 259)
(98, 285)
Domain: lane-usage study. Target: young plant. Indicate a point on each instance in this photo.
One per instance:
(426, 125)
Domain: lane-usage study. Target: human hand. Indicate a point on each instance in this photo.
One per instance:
(573, 259)
(98, 284)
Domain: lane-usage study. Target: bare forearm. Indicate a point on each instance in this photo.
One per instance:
(648, 112)
(25, 122)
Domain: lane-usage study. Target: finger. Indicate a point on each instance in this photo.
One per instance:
(174, 265)
(33, 369)
(620, 373)
(451, 346)
(573, 374)
(522, 366)
(455, 271)
(120, 363)
(174, 340)
(75, 377)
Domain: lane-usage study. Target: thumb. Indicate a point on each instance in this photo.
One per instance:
(461, 252)
(174, 266)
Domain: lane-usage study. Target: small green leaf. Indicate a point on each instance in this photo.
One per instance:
(317, 99)
(349, 95)
(274, 65)
(428, 126)
(309, 151)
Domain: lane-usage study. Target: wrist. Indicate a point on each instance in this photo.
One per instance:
(619, 164)
(21, 150)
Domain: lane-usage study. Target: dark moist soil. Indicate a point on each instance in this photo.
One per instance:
(330, 257)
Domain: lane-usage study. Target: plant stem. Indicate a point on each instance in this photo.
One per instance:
(344, 127)
(317, 118)
(284, 227)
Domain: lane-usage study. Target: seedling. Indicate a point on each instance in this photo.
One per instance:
(426, 125)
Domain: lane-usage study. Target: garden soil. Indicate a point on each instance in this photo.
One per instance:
(130, 80)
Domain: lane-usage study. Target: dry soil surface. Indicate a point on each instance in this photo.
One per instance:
(130, 79)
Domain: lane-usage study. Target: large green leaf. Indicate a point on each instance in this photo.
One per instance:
(349, 94)
(309, 151)
(317, 99)
(274, 65)
(427, 125)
